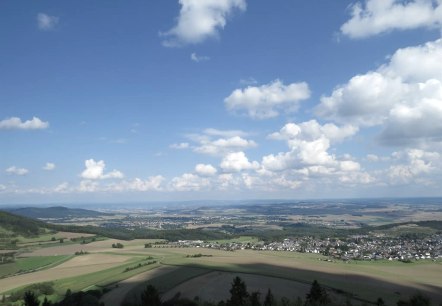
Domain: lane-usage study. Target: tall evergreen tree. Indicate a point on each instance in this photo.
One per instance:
(31, 299)
(46, 302)
(238, 293)
(269, 299)
(317, 295)
(150, 296)
(254, 298)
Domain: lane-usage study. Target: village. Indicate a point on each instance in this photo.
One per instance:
(360, 247)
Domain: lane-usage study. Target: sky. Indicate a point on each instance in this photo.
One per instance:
(219, 99)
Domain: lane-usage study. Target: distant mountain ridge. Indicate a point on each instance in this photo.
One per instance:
(56, 212)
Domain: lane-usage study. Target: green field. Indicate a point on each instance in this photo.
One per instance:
(102, 279)
(29, 264)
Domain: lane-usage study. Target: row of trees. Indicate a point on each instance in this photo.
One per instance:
(89, 298)
(239, 296)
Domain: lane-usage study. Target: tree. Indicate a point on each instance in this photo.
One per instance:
(150, 296)
(269, 299)
(117, 245)
(416, 300)
(46, 302)
(317, 295)
(238, 293)
(419, 300)
(30, 299)
(68, 293)
(298, 302)
(254, 298)
(284, 301)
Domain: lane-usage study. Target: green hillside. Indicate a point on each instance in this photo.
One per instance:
(18, 225)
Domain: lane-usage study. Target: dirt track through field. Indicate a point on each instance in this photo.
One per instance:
(78, 265)
(117, 295)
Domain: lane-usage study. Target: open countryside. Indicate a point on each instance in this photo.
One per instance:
(383, 278)
(357, 263)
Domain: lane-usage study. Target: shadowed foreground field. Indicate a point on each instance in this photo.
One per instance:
(289, 282)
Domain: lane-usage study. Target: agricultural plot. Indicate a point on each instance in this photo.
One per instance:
(31, 264)
(78, 265)
(68, 249)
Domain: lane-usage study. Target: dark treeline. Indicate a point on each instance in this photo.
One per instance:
(434, 224)
(239, 296)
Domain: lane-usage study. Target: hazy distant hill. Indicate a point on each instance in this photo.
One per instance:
(57, 212)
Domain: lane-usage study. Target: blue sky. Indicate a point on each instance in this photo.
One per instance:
(219, 99)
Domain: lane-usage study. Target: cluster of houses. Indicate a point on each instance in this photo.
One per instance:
(361, 247)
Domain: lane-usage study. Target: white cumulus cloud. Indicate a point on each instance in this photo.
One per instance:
(189, 182)
(222, 146)
(403, 96)
(220, 142)
(17, 171)
(88, 186)
(49, 166)
(236, 162)
(62, 188)
(373, 17)
(95, 171)
(311, 130)
(309, 155)
(413, 164)
(205, 169)
(46, 22)
(16, 123)
(199, 20)
(225, 133)
(267, 101)
(153, 183)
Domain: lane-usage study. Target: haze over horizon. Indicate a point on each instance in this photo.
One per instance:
(227, 99)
